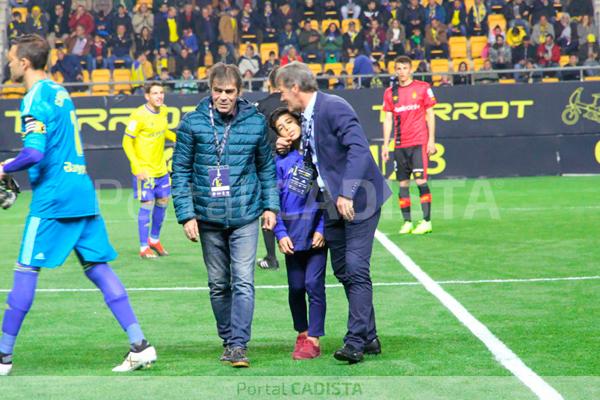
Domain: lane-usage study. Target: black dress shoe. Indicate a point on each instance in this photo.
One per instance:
(349, 354)
(374, 347)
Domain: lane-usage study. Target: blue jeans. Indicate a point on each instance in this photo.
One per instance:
(229, 256)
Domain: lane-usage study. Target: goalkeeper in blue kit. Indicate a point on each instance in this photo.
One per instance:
(64, 214)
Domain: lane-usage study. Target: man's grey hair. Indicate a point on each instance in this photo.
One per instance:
(297, 73)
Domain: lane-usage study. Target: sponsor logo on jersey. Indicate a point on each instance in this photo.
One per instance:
(410, 107)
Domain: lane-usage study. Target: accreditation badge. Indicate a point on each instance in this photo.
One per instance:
(219, 181)
(301, 180)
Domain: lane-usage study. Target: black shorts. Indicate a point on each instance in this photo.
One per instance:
(411, 160)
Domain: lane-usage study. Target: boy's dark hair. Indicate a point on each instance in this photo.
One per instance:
(149, 85)
(278, 112)
(403, 60)
(34, 48)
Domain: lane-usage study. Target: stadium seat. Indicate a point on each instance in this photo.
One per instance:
(496, 19)
(22, 11)
(242, 47)
(79, 94)
(415, 64)
(564, 60)
(337, 68)
(468, 5)
(478, 43)
(315, 68)
(266, 48)
(507, 81)
(86, 75)
(550, 80)
(391, 67)
(58, 77)
(592, 78)
(201, 73)
(325, 24)
(456, 62)
(425, 2)
(100, 75)
(458, 47)
(248, 38)
(147, 2)
(477, 64)
(346, 23)
(348, 70)
(439, 65)
(122, 79)
(53, 56)
(314, 24)
(12, 92)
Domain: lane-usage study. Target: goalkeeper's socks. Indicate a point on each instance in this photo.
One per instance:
(158, 216)
(425, 201)
(18, 304)
(116, 299)
(143, 223)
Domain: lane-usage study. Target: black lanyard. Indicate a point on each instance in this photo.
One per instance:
(219, 146)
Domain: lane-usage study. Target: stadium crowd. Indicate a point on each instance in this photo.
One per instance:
(177, 39)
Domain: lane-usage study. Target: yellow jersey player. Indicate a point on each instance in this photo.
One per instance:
(144, 144)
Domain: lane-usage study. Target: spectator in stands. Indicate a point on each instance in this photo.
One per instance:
(173, 31)
(145, 43)
(414, 16)
(268, 24)
(208, 33)
(477, 19)
(332, 43)
(142, 18)
(566, 34)
(457, 19)
(78, 45)
(370, 14)
(16, 27)
(436, 40)
(534, 74)
(445, 81)
(548, 53)
(396, 10)
(572, 75)
(307, 9)
(269, 65)
(286, 13)
(37, 22)
(248, 32)
(82, 17)
(350, 9)
(249, 61)
(395, 37)
(98, 54)
(288, 37)
(185, 60)
(486, 74)
(97, 6)
(375, 43)
(495, 32)
(186, 84)
(540, 30)
(515, 35)
(166, 80)
(103, 25)
(165, 61)
(119, 48)
(417, 42)
(188, 19)
(123, 18)
(585, 27)
(516, 12)
(353, 42)
(69, 67)
(291, 54)
(542, 8)
(58, 25)
(141, 70)
(462, 78)
(523, 52)
(331, 9)
(161, 27)
(378, 81)
(423, 68)
(228, 32)
(224, 56)
(589, 50)
(577, 8)
(500, 54)
(434, 11)
(362, 66)
(309, 41)
(190, 41)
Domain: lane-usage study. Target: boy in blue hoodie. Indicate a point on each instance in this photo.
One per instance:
(299, 231)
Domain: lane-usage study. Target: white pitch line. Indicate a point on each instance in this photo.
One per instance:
(334, 285)
(501, 352)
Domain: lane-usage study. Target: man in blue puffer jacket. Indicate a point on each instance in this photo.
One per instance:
(223, 181)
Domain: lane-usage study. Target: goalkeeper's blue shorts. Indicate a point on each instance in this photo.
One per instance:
(48, 242)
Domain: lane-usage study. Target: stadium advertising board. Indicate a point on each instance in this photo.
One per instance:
(493, 130)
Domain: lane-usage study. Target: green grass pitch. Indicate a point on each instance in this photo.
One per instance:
(516, 228)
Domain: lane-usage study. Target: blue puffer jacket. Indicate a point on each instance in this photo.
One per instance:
(251, 168)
